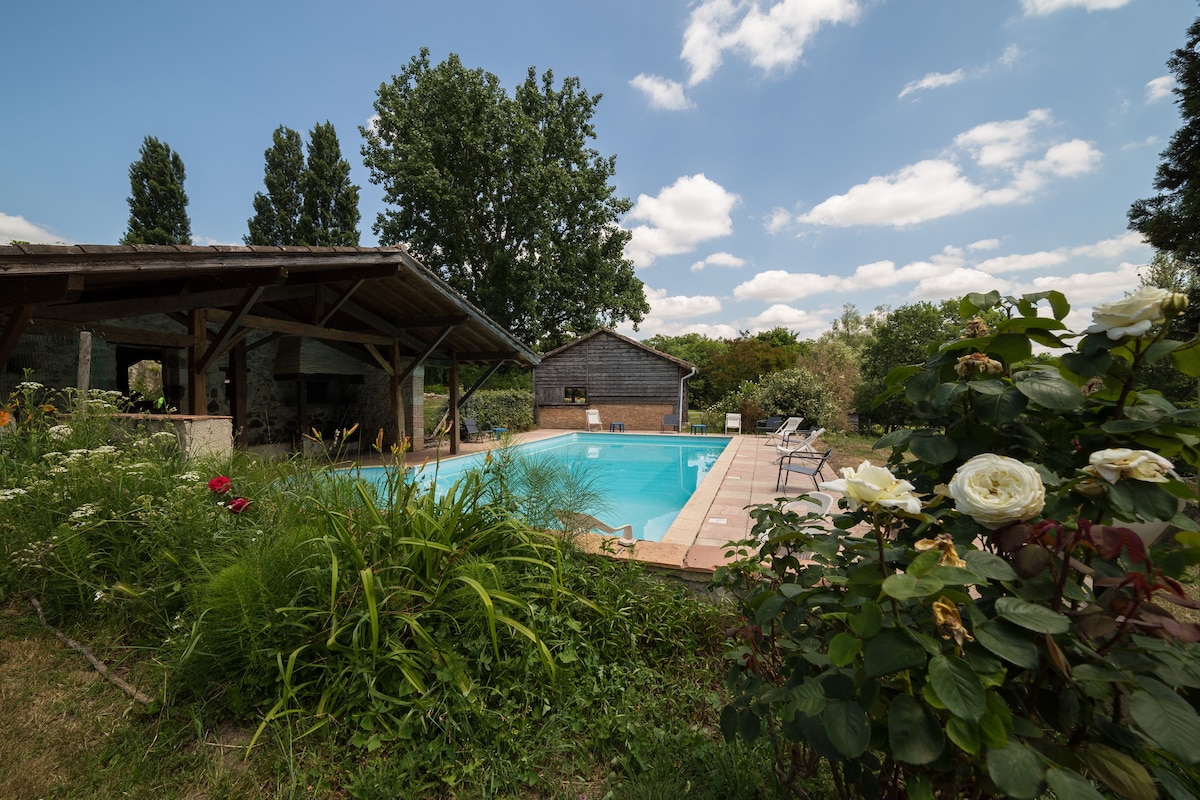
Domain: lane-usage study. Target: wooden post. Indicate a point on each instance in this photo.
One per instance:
(197, 395)
(83, 368)
(454, 422)
(239, 403)
(396, 391)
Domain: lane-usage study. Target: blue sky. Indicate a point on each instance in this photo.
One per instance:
(784, 158)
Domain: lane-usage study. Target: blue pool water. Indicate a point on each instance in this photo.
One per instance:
(645, 480)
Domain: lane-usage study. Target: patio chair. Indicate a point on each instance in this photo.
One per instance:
(472, 433)
(575, 522)
(804, 445)
(733, 421)
(790, 426)
(768, 425)
(811, 464)
(669, 421)
(593, 418)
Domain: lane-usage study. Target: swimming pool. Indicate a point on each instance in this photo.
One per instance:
(646, 480)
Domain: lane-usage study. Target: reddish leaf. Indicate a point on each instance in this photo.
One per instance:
(1096, 625)
(1134, 545)
(1107, 540)
(1057, 657)
(1183, 631)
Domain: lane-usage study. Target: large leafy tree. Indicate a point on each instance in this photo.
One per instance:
(330, 212)
(1171, 219)
(276, 217)
(157, 201)
(308, 202)
(503, 197)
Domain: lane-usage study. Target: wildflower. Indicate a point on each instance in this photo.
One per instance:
(48, 408)
(219, 485)
(237, 505)
(84, 511)
(191, 477)
(874, 486)
(945, 543)
(59, 433)
(977, 363)
(5, 418)
(996, 490)
(8, 494)
(29, 386)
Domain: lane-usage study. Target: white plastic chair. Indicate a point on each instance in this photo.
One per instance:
(786, 429)
(574, 522)
(733, 421)
(593, 418)
(804, 445)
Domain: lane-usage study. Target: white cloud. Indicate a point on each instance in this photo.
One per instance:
(692, 210)
(956, 283)
(1088, 288)
(1011, 55)
(770, 39)
(1159, 88)
(804, 323)
(22, 230)
(1113, 248)
(784, 286)
(719, 260)
(777, 220)
(679, 306)
(1149, 141)
(1037, 7)
(1001, 143)
(984, 244)
(662, 93)
(938, 188)
(919, 192)
(934, 80)
(1022, 261)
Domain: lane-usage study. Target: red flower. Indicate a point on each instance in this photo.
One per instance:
(219, 485)
(237, 505)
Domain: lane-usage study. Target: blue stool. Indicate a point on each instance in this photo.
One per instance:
(498, 432)
(613, 427)
(699, 427)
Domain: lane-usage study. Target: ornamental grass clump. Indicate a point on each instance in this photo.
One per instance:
(992, 616)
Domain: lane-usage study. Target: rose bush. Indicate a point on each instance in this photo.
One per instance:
(1006, 634)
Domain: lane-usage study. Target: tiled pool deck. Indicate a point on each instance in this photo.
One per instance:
(744, 475)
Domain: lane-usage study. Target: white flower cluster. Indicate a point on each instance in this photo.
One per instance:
(60, 433)
(84, 512)
(9, 494)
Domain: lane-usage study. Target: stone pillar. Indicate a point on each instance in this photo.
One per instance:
(414, 407)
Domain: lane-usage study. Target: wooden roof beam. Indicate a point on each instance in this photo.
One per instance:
(34, 290)
(300, 328)
(225, 335)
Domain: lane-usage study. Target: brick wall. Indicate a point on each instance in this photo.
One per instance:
(637, 417)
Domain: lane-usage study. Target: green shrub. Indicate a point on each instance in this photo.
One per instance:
(501, 408)
(984, 621)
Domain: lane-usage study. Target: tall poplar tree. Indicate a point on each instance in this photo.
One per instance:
(157, 201)
(504, 197)
(276, 217)
(308, 202)
(330, 215)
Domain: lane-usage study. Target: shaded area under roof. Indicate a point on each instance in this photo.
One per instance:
(357, 296)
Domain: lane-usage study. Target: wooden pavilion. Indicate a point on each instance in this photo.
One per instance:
(204, 307)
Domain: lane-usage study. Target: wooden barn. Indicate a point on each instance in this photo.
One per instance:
(625, 380)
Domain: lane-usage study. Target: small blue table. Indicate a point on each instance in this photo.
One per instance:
(613, 427)
(699, 427)
(498, 432)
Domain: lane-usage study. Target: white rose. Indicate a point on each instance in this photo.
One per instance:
(1140, 465)
(1130, 316)
(874, 486)
(996, 490)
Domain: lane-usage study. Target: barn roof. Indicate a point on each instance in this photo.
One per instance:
(358, 295)
(610, 332)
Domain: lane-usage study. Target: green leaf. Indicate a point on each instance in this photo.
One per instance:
(965, 734)
(920, 386)
(955, 576)
(906, 587)
(914, 733)
(749, 725)
(847, 726)
(989, 565)
(891, 651)
(1168, 719)
(1047, 387)
(1017, 771)
(896, 438)
(867, 622)
(1070, 785)
(974, 302)
(729, 723)
(844, 648)
(933, 448)
(1010, 348)
(1008, 642)
(1000, 408)
(1187, 359)
(1031, 616)
(808, 698)
(957, 685)
(1088, 366)
(1120, 772)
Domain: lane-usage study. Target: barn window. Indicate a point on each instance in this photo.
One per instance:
(575, 394)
